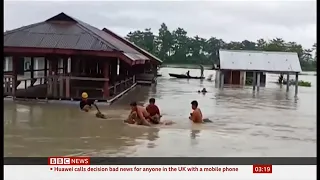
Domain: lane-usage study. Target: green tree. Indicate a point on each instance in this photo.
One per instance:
(165, 42)
(177, 47)
(180, 45)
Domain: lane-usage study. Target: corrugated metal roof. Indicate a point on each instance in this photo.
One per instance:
(126, 41)
(135, 56)
(55, 35)
(114, 41)
(72, 34)
(259, 60)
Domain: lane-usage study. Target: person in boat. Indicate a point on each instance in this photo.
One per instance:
(188, 73)
(196, 115)
(138, 115)
(85, 103)
(154, 112)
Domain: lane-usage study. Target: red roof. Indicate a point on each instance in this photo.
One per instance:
(65, 32)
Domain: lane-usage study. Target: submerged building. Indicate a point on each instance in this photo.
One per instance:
(63, 56)
(239, 67)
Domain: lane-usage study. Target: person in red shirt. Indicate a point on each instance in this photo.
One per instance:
(154, 112)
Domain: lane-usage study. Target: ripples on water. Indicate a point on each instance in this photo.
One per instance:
(270, 123)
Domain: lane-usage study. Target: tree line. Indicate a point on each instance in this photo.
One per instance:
(176, 47)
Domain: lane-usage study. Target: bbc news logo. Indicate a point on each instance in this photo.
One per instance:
(68, 161)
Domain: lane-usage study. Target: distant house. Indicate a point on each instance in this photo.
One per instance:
(239, 67)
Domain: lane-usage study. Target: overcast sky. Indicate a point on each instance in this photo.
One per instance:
(229, 20)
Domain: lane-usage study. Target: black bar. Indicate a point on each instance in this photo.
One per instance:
(174, 160)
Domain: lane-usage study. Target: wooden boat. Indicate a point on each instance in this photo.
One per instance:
(184, 76)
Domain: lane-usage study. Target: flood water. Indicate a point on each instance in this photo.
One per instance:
(270, 123)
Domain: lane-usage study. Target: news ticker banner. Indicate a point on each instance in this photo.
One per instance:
(79, 168)
(171, 160)
(84, 168)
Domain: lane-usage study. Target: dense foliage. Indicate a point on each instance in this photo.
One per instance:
(177, 47)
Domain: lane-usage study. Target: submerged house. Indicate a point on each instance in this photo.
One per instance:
(239, 67)
(63, 56)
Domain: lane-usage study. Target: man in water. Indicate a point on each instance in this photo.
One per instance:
(154, 112)
(138, 115)
(85, 103)
(196, 115)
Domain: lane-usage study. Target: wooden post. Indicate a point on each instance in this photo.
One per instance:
(45, 70)
(65, 65)
(14, 73)
(61, 86)
(106, 83)
(254, 78)
(67, 86)
(296, 85)
(55, 77)
(222, 80)
(32, 71)
(258, 81)
(68, 77)
(49, 90)
(288, 82)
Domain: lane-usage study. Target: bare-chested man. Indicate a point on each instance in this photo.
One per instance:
(138, 115)
(196, 115)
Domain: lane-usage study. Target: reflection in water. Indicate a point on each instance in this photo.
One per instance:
(268, 123)
(194, 134)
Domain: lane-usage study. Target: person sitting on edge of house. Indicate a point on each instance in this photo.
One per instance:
(138, 115)
(154, 112)
(85, 103)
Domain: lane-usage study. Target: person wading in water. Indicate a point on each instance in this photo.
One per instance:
(86, 105)
(138, 115)
(146, 116)
(154, 112)
(196, 115)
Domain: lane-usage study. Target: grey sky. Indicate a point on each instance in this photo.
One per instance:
(229, 20)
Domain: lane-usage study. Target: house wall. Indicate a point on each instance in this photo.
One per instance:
(230, 77)
(262, 78)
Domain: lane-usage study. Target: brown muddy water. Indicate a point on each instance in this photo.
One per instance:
(271, 123)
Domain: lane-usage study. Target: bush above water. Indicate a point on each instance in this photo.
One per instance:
(304, 83)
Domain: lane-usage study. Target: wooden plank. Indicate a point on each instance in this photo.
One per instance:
(89, 78)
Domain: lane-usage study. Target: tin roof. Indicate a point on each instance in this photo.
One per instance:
(107, 31)
(259, 60)
(65, 32)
